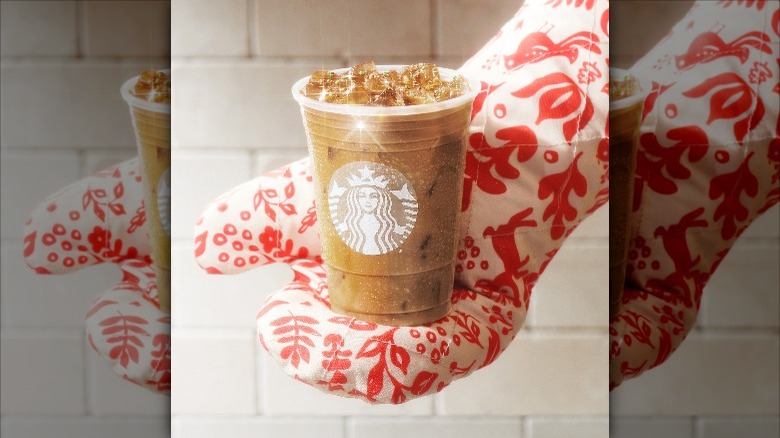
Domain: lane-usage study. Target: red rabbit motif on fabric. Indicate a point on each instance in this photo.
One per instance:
(708, 164)
(537, 164)
(101, 219)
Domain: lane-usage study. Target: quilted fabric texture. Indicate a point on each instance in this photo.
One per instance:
(537, 164)
(101, 219)
(708, 164)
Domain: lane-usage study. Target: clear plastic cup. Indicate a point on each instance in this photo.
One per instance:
(624, 120)
(388, 184)
(152, 125)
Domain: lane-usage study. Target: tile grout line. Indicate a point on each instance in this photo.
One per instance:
(89, 383)
(435, 31)
(260, 377)
(81, 29)
(347, 421)
(252, 34)
(525, 426)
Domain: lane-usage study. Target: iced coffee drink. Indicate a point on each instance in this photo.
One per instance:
(387, 148)
(149, 98)
(625, 110)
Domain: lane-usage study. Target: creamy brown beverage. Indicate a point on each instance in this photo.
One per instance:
(388, 151)
(149, 98)
(625, 110)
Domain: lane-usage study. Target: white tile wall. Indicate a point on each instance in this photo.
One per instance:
(96, 160)
(102, 393)
(744, 294)
(650, 427)
(47, 301)
(127, 28)
(710, 374)
(42, 28)
(463, 427)
(720, 427)
(77, 102)
(658, 16)
(221, 300)
(238, 103)
(32, 384)
(765, 226)
(38, 175)
(483, 23)
(63, 118)
(545, 373)
(251, 427)
(198, 178)
(552, 427)
(266, 160)
(213, 372)
(341, 28)
(208, 28)
(85, 427)
(578, 298)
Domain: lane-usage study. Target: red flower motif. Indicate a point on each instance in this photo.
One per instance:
(588, 73)
(588, 4)
(747, 3)
(559, 98)
(270, 239)
(774, 151)
(603, 151)
(99, 238)
(731, 98)
(759, 73)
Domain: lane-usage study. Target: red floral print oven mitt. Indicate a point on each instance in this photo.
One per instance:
(101, 219)
(708, 164)
(537, 164)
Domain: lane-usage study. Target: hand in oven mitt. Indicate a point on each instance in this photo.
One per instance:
(537, 164)
(708, 164)
(101, 219)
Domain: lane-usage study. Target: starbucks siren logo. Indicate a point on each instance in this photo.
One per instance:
(373, 207)
(164, 200)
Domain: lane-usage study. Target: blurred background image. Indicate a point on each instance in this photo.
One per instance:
(234, 119)
(62, 66)
(723, 379)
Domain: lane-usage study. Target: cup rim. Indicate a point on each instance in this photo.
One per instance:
(625, 102)
(351, 109)
(135, 101)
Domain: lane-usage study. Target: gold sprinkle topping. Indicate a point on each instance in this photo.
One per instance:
(363, 84)
(153, 86)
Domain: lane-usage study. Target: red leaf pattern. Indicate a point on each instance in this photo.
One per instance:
(87, 223)
(560, 187)
(298, 327)
(560, 97)
(730, 187)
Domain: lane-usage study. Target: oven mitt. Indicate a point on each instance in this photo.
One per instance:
(537, 164)
(101, 219)
(708, 164)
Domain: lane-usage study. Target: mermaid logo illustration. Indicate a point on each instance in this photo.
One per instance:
(373, 207)
(164, 200)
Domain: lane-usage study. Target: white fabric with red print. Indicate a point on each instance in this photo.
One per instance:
(537, 164)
